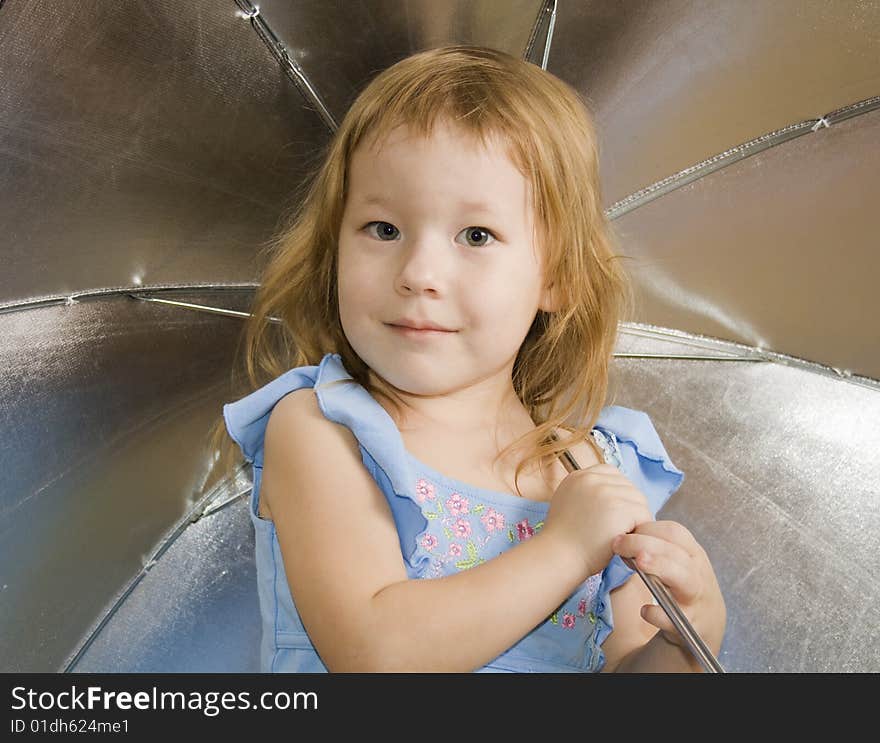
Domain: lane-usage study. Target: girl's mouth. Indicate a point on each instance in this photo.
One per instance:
(414, 333)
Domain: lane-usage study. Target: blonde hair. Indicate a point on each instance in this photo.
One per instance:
(561, 373)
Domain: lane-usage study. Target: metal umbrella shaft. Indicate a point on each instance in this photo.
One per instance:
(694, 642)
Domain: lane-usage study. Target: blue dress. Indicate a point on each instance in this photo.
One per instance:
(444, 525)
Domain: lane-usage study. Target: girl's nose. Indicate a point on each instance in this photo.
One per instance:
(421, 268)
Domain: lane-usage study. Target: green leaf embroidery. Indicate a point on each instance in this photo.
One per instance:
(539, 525)
(555, 617)
(510, 534)
(447, 532)
(430, 515)
(473, 558)
(479, 508)
(466, 564)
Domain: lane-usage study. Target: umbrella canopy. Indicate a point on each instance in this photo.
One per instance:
(147, 150)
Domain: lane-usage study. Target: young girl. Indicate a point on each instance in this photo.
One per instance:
(450, 301)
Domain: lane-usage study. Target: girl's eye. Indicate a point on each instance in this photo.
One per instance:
(477, 236)
(382, 230)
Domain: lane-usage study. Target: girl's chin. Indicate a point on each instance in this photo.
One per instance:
(420, 382)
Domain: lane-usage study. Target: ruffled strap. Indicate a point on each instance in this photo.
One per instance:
(382, 451)
(350, 405)
(246, 419)
(643, 459)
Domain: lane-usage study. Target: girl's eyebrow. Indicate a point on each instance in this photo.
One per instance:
(477, 206)
(373, 200)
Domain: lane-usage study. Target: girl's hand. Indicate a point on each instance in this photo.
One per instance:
(669, 551)
(589, 508)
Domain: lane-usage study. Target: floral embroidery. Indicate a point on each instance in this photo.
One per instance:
(457, 543)
(523, 530)
(457, 504)
(492, 520)
(462, 528)
(424, 489)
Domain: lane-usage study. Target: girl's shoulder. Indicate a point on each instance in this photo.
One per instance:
(246, 419)
(340, 400)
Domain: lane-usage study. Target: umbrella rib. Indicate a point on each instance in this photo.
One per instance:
(651, 331)
(735, 154)
(548, 8)
(291, 67)
(751, 353)
(69, 299)
(549, 41)
(203, 308)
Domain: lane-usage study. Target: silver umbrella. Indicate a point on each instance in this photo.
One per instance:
(147, 150)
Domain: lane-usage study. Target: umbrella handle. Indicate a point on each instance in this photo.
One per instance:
(692, 639)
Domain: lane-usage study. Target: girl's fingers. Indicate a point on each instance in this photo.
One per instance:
(643, 546)
(655, 615)
(675, 568)
(672, 531)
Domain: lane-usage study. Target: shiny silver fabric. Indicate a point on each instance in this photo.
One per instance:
(339, 62)
(676, 81)
(105, 407)
(195, 611)
(141, 144)
(157, 144)
(777, 251)
(782, 489)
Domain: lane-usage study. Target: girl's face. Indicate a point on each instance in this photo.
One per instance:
(438, 231)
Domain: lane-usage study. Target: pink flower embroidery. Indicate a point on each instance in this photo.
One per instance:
(568, 620)
(492, 520)
(462, 528)
(523, 530)
(429, 541)
(455, 549)
(457, 504)
(582, 608)
(424, 489)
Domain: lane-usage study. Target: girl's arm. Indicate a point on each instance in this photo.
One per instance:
(345, 570)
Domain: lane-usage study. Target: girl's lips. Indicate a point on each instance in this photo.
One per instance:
(413, 333)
